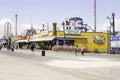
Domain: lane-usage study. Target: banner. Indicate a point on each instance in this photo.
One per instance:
(115, 41)
(44, 30)
(74, 25)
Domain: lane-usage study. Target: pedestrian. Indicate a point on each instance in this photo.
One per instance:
(82, 50)
(12, 47)
(27, 46)
(16, 45)
(76, 50)
(32, 47)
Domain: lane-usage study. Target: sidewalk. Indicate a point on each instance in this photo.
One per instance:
(47, 52)
(69, 60)
(58, 54)
(98, 66)
(51, 54)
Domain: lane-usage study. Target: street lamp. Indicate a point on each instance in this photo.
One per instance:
(112, 22)
(64, 30)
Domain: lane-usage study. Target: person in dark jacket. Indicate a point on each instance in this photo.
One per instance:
(12, 47)
(76, 50)
(32, 47)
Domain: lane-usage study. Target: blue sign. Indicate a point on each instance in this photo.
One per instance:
(115, 38)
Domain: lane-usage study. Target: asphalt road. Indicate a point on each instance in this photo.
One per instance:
(27, 65)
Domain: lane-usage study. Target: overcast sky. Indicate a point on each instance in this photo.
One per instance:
(49, 11)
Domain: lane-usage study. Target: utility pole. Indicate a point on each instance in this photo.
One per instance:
(64, 31)
(16, 24)
(94, 15)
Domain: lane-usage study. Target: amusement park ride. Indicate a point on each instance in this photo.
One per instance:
(7, 34)
(76, 23)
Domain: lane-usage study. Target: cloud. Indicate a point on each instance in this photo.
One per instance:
(106, 25)
(5, 20)
(26, 26)
(117, 24)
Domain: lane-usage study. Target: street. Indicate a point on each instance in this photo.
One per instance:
(27, 65)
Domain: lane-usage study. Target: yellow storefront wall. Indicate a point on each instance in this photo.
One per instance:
(91, 40)
(94, 41)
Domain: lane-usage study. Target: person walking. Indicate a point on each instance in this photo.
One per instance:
(76, 50)
(32, 47)
(82, 50)
(12, 47)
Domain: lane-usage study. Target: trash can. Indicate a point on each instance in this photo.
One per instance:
(43, 53)
(12, 49)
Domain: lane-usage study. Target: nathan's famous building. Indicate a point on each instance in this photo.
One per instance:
(73, 33)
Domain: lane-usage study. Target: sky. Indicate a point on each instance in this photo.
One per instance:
(38, 12)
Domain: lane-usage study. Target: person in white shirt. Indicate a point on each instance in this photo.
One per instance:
(82, 50)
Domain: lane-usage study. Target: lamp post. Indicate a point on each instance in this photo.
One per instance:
(64, 30)
(113, 17)
(112, 24)
(109, 33)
